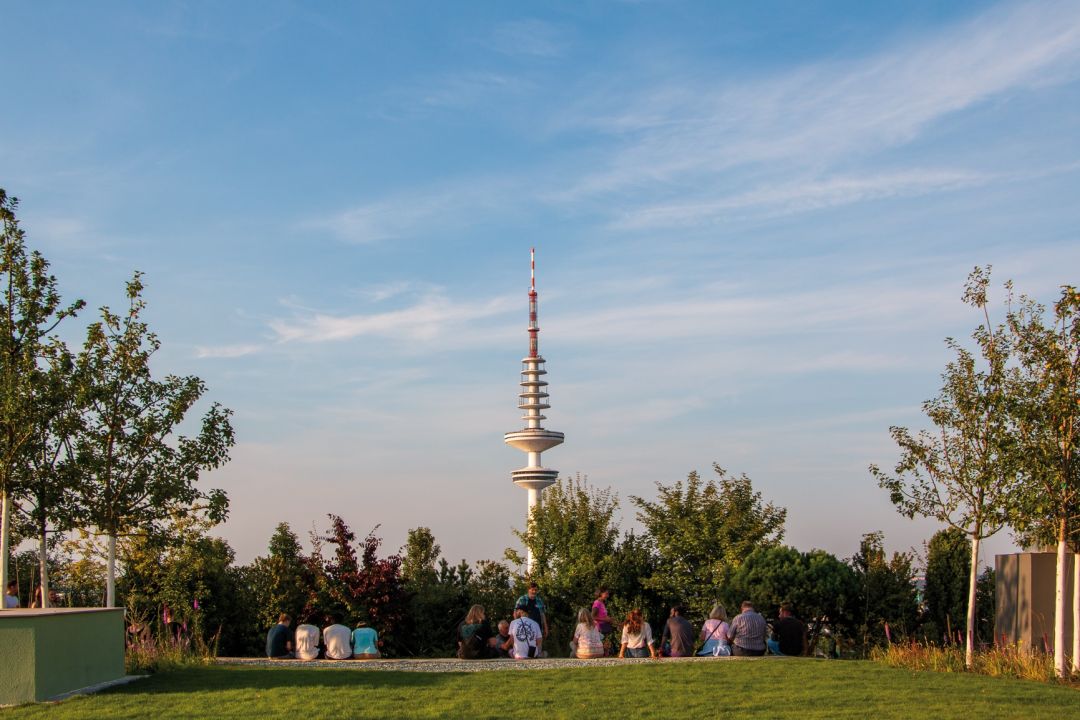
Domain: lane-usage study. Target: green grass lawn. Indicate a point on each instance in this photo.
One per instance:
(762, 689)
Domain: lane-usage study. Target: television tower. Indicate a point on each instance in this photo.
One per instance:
(533, 439)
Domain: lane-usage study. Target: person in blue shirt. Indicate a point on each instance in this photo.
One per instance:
(279, 639)
(365, 642)
(533, 606)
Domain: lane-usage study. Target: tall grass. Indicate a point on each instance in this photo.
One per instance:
(997, 661)
(169, 646)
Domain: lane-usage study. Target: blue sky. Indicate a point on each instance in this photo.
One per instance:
(752, 229)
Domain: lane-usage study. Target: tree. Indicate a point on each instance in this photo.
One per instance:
(700, 530)
(964, 473)
(283, 580)
(948, 558)
(886, 591)
(48, 465)
(573, 537)
(822, 588)
(134, 474)
(30, 311)
(1048, 426)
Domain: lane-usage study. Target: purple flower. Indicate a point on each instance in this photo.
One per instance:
(196, 603)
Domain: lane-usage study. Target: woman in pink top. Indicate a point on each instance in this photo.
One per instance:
(599, 611)
(714, 633)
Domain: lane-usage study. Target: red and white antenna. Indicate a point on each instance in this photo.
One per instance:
(534, 327)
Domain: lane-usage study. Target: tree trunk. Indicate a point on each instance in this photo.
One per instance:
(5, 530)
(43, 560)
(1076, 611)
(1059, 604)
(973, 579)
(110, 577)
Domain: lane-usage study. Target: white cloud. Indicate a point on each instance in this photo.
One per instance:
(429, 318)
(226, 351)
(529, 37)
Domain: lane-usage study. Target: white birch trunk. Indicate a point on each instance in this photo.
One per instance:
(973, 579)
(1059, 606)
(110, 577)
(1076, 612)
(5, 530)
(43, 560)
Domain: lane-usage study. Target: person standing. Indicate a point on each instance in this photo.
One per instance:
(599, 611)
(678, 635)
(747, 632)
(338, 639)
(526, 638)
(789, 634)
(11, 596)
(278, 640)
(307, 641)
(533, 605)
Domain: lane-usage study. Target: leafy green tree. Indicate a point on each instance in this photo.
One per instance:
(1048, 425)
(823, 589)
(282, 581)
(491, 584)
(30, 310)
(48, 467)
(886, 591)
(135, 473)
(964, 472)
(573, 536)
(701, 530)
(948, 560)
(437, 595)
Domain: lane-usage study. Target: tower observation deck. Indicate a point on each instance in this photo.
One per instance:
(533, 439)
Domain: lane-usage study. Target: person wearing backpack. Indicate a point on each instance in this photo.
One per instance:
(474, 635)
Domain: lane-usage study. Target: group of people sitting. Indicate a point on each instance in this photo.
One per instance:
(747, 634)
(335, 642)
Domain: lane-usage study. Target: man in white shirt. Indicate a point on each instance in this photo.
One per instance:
(307, 641)
(11, 596)
(338, 639)
(526, 636)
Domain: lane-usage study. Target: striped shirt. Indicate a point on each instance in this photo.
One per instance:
(748, 630)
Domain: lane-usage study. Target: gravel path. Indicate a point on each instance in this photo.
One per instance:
(454, 665)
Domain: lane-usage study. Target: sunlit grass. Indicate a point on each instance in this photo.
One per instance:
(768, 688)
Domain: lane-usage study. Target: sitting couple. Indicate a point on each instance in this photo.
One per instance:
(521, 639)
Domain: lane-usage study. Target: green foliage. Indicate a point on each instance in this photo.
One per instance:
(1048, 418)
(702, 530)
(821, 588)
(886, 592)
(281, 582)
(948, 564)
(135, 474)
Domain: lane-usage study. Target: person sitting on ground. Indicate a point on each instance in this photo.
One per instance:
(714, 633)
(365, 642)
(587, 642)
(526, 637)
(678, 637)
(474, 635)
(789, 634)
(337, 638)
(278, 640)
(599, 611)
(499, 641)
(11, 596)
(307, 641)
(533, 605)
(637, 639)
(746, 633)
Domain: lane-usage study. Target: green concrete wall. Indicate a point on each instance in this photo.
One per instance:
(49, 652)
